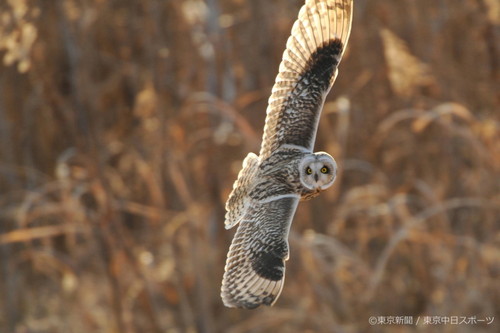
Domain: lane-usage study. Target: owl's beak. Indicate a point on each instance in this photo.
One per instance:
(316, 177)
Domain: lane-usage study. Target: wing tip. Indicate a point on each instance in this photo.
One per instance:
(246, 285)
(246, 299)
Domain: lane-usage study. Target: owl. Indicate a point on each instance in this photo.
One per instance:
(269, 186)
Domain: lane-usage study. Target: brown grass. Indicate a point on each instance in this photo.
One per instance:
(123, 125)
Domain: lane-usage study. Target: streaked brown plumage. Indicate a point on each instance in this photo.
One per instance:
(269, 186)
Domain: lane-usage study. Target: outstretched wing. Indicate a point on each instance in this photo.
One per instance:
(306, 74)
(255, 266)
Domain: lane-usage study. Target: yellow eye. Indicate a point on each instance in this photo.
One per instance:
(324, 170)
(309, 171)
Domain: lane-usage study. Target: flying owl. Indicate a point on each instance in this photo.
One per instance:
(269, 186)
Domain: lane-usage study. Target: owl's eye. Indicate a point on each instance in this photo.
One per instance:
(324, 169)
(309, 171)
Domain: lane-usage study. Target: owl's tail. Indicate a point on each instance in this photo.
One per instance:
(255, 268)
(237, 203)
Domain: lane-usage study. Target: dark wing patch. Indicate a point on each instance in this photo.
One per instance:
(299, 118)
(306, 74)
(269, 264)
(255, 266)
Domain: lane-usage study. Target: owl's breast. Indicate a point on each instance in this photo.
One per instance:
(308, 194)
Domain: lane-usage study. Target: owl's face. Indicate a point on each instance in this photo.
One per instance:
(318, 171)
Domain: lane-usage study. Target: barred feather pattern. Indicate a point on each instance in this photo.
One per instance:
(238, 200)
(255, 267)
(278, 175)
(270, 186)
(257, 181)
(306, 74)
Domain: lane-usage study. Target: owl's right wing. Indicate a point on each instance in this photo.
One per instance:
(255, 266)
(306, 74)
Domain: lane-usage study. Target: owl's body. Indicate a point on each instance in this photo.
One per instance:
(279, 175)
(269, 186)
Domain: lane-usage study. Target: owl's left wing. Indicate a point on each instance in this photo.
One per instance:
(255, 266)
(306, 74)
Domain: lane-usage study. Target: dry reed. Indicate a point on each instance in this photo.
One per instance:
(123, 125)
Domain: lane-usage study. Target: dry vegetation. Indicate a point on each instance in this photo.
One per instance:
(123, 125)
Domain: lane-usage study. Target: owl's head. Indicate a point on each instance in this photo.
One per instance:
(318, 171)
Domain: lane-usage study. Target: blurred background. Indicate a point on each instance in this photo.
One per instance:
(123, 125)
